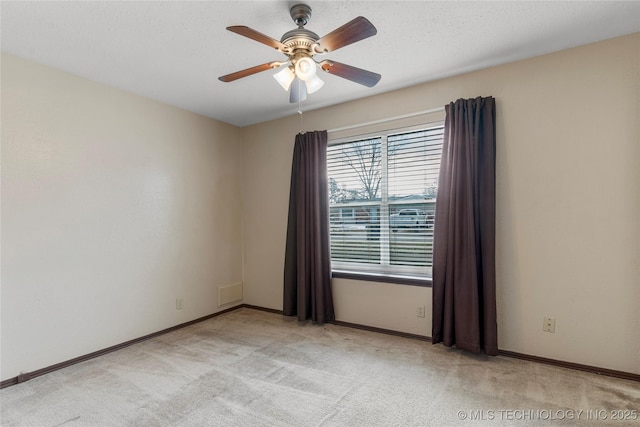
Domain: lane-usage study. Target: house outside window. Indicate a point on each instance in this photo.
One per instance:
(382, 195)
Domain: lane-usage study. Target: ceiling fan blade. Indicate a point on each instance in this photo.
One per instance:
(298, 91)
(358, 75)
(355, 30)
(249, 71)
(257, 36)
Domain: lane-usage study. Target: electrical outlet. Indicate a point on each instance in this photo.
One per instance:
(179, 304)
(549, 324)
(420, 311)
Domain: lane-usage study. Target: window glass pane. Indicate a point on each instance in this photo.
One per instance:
(414, 164)
(355, 171)
(413, 169)
(355, 176)
(355, 233)
(411, 240)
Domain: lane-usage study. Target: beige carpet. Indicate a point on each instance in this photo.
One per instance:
(251, 368)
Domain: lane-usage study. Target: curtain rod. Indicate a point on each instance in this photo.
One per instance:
(390, 119)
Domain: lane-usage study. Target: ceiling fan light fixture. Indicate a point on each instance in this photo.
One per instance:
(314, 84)
(285, 77)
(305, 68)
(299, 46)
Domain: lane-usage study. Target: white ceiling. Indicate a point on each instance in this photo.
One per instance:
(174, 52)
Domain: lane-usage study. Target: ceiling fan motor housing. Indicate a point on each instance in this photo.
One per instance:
(301, 14)
(300, 38)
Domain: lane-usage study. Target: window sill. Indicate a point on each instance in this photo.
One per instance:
(373, 277)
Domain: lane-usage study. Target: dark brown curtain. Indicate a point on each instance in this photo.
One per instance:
(464, 280)
(307, 267)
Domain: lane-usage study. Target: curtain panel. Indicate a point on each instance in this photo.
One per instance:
(464, 282)
(307, 271)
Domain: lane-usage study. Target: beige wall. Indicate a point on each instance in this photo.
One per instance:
(113, 206)
(568, 204)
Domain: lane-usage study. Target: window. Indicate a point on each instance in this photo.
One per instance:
(382, 191)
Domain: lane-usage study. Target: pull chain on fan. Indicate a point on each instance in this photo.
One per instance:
(300, 45)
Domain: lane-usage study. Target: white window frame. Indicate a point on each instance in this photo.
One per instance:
(384, 271)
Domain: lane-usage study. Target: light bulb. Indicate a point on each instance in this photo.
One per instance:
(305, 68)
(285, 77)
(314, 84)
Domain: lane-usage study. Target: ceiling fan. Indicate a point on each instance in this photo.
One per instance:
(299, 70)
